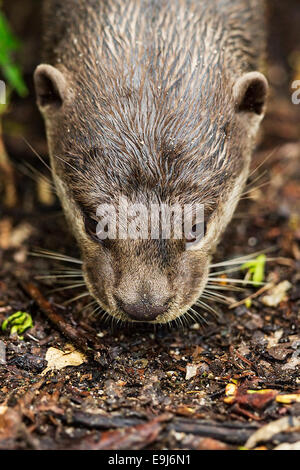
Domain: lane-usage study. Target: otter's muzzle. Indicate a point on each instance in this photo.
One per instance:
(143, 310)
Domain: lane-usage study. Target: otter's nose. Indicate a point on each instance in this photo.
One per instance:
(144, 310)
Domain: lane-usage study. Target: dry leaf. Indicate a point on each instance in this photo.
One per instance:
(265, 433)
(288, 398)
(277, 294)
(230, 392)
(10, 422)
(286, 446)
(191, 371)
(293, 362)
(274, 338)
(58, 359)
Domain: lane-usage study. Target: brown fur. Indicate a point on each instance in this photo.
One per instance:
(150, 112)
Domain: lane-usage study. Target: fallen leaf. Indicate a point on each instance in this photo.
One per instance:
(277, 294)
(20, 234)
(288, 398)
(207, 443)
(58, 359)
(265, 433)
(279, 352)
(286, 446)
(185, 410)
(231, 391)
(191, 371)
(10, 422)
(2, 353)
(274, 338)
(256, 399)
(293, 362)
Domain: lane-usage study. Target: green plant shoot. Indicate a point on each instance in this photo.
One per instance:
(18, 323)
(256, 269)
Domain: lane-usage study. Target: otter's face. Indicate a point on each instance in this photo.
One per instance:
(154, 281)
(98, 156)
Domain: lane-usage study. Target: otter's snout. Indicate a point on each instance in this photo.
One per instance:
(143, 310)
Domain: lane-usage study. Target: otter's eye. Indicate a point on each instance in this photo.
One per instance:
(91, 227)
(198, 231)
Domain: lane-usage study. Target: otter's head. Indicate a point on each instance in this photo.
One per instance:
(129, 139)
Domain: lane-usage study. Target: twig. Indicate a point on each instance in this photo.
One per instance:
(252, 296)
(232, 433)
(58, 321)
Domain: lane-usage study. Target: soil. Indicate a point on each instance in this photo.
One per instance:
(208, 385)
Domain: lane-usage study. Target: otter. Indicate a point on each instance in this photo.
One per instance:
(157, 101)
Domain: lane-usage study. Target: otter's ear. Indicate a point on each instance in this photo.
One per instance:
(50, 86)
(250, 92)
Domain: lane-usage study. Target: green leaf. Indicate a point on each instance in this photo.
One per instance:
(8, 45)
(17, 323)
(7, 39)
(256, 269)
(13, 75)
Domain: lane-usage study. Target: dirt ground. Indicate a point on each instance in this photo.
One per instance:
(202, 386)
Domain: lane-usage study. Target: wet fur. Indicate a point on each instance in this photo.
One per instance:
(150, 114)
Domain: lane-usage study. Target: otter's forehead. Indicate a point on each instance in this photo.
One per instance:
(148, 113)
(167, 176)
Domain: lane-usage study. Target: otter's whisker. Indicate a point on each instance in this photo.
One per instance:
(85, 294)
(197, 315)
(59, 276)
(37, 154)
(251, 185)
(73, 286)
(62, 282)
(56, 256)
(253, 189)
(82, 175)
(117, 321)
(233, 262)
(178, 322)
(105, 317)
(98, 309)
(66, 270)
(208, 291)
(215, 299)
(257, 178)
(63, 271)
(190, 316)
(230, 270)
(241, 259)
(224, 271)
(184, 321)
(35, 175)
(204, 305)
(238, 281)
(264, 160)
(225, 288)
(90, 304)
